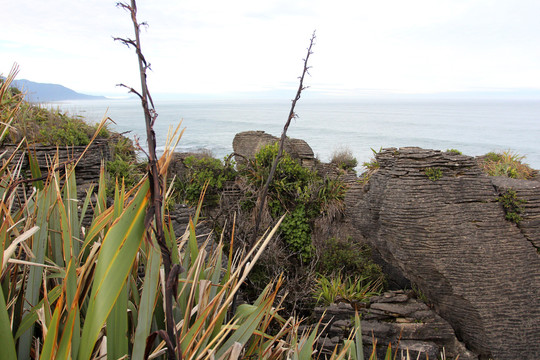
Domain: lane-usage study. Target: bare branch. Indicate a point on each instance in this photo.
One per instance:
(292, 115)
(153, 219)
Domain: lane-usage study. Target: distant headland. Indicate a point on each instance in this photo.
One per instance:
(41, 92)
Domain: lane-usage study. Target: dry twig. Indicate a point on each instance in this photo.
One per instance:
(154, 210)
(292, 115)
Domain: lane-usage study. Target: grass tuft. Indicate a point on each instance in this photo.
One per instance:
(506, 163)
(344, 159)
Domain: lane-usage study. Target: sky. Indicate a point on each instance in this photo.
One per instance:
(363, 48)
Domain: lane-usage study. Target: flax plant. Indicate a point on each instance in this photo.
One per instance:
(75, 292)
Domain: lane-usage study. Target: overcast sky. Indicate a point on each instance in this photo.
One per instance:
(363, 47)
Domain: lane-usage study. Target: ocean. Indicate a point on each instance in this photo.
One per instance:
(473, 127)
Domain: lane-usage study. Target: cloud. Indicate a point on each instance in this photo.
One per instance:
(240, 45)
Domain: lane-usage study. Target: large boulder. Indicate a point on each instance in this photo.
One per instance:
(246, 144)
(436, 218)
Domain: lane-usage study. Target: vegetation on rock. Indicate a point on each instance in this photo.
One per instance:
(512, 205)
(295, 190)
(203, 172)
(38, 124)
(344, 159)
(433, 174)
(506, 163)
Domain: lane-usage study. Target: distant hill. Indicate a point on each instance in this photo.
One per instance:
(40, 92)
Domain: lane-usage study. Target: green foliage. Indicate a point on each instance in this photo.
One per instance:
(331, 196)
(51, 127)
(371, 168)
(123, 147)
(454, 151)
(506, 164)
(67, 132)
(199, 172)
(290, 183)
(371, 165)
(128, 171)
(296, 190)
(296, 232)
(349, 259)
(512, 205)
(125, 166)
(352, 290)
(433, 174)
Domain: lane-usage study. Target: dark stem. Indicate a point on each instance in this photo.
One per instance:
(154, 211)
(292, 115)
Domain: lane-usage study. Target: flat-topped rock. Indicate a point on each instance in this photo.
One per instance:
(248, 143)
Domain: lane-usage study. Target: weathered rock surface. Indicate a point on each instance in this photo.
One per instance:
(529, 191)
(397, 318)
(180, 216)
(450, 237)
(248, 143)
(88, 167)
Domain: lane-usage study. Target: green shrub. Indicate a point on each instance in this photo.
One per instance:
(454, 151)
(67, 132)
(371, 165)
(296, 232)
(296, 190)
(512, 205)
(121, 169)
(51, 127)
(349, 259)
(433, 174)
(371, 168)
(507, 164)
(202, 171)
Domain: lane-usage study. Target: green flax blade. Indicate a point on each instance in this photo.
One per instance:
(115, 260)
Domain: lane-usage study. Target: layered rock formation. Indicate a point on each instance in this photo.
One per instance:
(248, 143)
(395, 318)
(435, 218)
(88, 167)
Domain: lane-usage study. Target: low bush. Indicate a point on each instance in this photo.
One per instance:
(506, 163)
(433, 174)
(512, 205)
(202, 171)
(39, 124)
(454, 151)
(348, 258)
(344, 159)
(295, 190)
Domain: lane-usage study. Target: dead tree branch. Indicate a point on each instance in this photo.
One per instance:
(292, 115)
(154, 210)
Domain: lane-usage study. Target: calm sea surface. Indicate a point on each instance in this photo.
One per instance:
(473, 127)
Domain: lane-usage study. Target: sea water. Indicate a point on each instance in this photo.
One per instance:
(473, 127)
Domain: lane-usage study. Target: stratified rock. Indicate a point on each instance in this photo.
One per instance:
(395, 318)
(529, 192)
(87, 169)
(180, 216)
(449, 236)
(248, 143)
